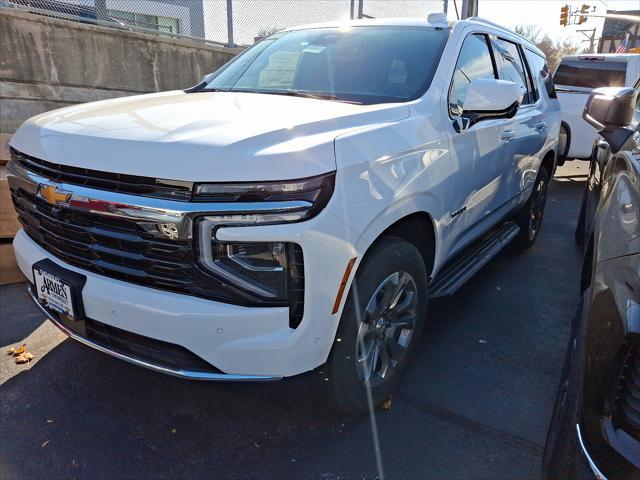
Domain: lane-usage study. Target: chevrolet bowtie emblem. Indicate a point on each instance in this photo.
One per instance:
(53, 194)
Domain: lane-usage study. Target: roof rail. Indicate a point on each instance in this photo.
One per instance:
(501, 27)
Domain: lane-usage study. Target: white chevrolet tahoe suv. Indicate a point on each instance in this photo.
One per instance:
(297, 208)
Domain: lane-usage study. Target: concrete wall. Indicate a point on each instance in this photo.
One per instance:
(48, 63)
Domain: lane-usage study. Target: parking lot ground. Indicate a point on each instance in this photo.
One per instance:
(475, 404)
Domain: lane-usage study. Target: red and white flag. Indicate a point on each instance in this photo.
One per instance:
(623, 46)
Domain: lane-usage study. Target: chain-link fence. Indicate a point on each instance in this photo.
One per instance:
(225, 22)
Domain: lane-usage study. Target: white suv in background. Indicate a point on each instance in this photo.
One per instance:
(575, 77)
(297, 207)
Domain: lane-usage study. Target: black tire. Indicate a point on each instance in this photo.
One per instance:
(390, 260)
(529, 219)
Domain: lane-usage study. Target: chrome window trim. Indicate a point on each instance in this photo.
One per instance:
(157, 211)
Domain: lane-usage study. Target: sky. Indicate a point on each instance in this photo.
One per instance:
(250, 16)
(546, 14)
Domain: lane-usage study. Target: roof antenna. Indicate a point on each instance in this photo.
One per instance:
(456, 7)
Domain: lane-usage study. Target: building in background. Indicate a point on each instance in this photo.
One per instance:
(615, 30)
(181, 17)
(177, 17)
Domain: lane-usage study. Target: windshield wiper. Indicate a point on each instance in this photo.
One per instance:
(213, 89)
(316, 95)
(289, 93)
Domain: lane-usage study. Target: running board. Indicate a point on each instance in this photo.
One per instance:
(454, 275)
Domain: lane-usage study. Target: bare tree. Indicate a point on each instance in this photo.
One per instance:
(265, 32)
(554, 50)
(530, 31)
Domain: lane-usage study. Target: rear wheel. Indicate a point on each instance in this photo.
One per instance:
(530, 217)
(380, 326)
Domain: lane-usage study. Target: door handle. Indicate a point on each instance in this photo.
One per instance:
(541, 126)
(507, 134)
(626, 208)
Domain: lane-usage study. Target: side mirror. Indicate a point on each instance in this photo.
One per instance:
(490, 98)
(610, 110)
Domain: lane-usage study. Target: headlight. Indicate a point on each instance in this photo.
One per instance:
(269, 273)
(259, 268)
(315, 192)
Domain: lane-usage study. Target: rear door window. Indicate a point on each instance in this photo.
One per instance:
(512, 68)
(590, 73)
(541, 73)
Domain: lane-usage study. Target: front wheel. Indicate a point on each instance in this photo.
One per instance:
(530, 217)
(380, 326)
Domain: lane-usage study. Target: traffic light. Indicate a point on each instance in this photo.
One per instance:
(564, 16)
(584, 9)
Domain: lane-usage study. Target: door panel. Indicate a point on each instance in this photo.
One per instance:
(531, 133)
(530, 124)
(480, 154)
(481, 182)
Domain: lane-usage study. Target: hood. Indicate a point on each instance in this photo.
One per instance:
(205, 136)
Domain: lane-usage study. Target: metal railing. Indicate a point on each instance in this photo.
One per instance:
(221, 22)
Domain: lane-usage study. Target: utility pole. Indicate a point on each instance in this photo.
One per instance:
(590, 34)
(360, 8)
(101, 9)
(469, 9)
(230, 42)
(445, 6)
(352, 9)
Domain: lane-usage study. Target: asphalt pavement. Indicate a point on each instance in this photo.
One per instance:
(475, 404)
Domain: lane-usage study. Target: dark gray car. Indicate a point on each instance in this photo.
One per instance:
(595, 429)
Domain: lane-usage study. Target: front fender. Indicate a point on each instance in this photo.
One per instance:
(383, 176)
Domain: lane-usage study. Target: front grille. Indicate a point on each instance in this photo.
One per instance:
(113, 182)
(118, 248)
(627, 404)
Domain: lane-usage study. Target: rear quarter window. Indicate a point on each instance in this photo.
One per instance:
(591, 73)
(541, 74)
(511, 67)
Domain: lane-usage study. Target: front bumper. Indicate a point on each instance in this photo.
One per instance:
(243, 343)
(182, 373)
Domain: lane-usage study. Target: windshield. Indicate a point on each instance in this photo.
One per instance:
(360, 64)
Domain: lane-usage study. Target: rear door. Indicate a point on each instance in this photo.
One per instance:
(530, 125)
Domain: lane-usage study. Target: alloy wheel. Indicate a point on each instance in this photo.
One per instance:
(386, 328)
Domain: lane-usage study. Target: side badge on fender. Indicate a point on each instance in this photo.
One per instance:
(458, 212)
